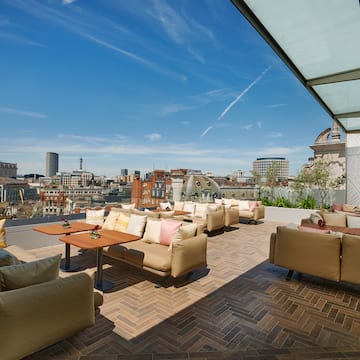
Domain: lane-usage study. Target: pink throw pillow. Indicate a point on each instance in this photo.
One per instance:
(168, 230)
(310, 229)
(252, 205)
(338, 207)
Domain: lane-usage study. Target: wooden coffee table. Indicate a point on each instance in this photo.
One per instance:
(59, 229)
(84, 241)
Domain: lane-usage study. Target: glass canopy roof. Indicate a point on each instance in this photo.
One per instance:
(319, 41)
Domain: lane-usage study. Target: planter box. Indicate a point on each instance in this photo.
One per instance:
(286, 215)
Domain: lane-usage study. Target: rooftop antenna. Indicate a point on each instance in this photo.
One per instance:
(81, 163)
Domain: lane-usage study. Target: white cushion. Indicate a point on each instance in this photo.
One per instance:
(136, 225)
(190, 206)
(110, 220)
(178, 205)
(244, 205)
(353, 221)
(201, 210)
(165, 206)
(128, 206)
(122, 222)
(95, 217)
(152, 231)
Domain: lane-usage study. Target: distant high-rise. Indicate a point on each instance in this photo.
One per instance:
(261, 166)
(52, 163)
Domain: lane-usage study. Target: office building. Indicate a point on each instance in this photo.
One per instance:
(52, 164)
(8, 169)
(261, 166)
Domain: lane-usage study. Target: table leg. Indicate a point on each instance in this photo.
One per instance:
(65, 265)
(100, 283)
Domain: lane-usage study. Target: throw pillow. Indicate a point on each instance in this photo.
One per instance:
(178, 205)
(128, 206)
(334, 219)
(190, 207)
(168, 230)
(244, 205)
(309, 229)
(110, 220)
(315, 217)
(252, 205)
(353, 221)
(121, 222)
(95, 217)
(185, 231)
(3, 243)
(152, 231)
(350, 207)
(136, 225)
(165, 206)
(7, 258)
(34, 272)
(201, 210)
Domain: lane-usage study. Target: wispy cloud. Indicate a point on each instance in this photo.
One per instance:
(259, 124)
(22, 113)
(89, 26)
(206, 131)
(243, 93)
(253, 83)
(19, 39)
(153, 137)
(67, 2)
(248, 126)
(274, 135)
(273, 106)
(175, 108)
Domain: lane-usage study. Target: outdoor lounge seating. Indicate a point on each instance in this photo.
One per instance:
(37, 307)
(168, 247)
(330, 256)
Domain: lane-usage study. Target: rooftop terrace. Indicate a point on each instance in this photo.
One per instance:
(240, 307)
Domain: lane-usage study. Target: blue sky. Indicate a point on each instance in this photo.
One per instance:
(145, 85)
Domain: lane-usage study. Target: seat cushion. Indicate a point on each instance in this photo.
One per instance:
(7, 258)
(2, 234)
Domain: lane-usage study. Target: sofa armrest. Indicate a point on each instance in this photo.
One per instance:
(37, 316)
(188, 255)
(215, 220)
(231, 215)
(259, 212)
(272, 248)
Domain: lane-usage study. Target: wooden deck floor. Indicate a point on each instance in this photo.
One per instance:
(240, 307)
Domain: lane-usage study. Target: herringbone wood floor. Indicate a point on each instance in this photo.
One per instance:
(240, 307)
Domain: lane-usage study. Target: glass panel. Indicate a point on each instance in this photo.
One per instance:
(341, 97)
(351, 124)
(317, 44)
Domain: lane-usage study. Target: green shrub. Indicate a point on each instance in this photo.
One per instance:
(308, 202)
(283, 202)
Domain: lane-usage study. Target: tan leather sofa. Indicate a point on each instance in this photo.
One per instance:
(329, 256)
(209, 216)
(182, 256)
(36, 316)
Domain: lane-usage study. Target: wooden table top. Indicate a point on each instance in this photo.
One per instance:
(58, 229)
(176, 212)
(108, 237)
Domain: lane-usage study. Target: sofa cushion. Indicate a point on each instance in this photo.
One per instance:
(95, 217)
(334, 219)
(7, 258)
(122, 222)
(168, 230)
(128, 206)
(190, 207)
(34, 272)
(178, 205)
(349, 207)
(154, 256)
(110, 220)
(184, 232)
(165, 205)
(167, 214)
(152, 231)
(2, 234)
(136, 225)
(201, 210)
(244, 205)
(353, 221)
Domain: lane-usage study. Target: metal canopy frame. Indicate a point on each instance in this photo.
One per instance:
(283, 24)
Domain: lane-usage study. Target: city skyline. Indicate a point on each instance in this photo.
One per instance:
(144, 86)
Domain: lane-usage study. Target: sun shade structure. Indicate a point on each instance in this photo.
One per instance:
(319, 41)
